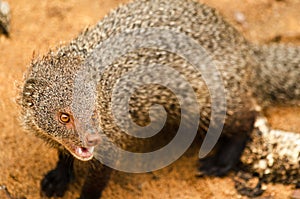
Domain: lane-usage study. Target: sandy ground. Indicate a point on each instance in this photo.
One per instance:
(39, 25)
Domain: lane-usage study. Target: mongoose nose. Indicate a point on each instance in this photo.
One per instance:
(92, 140)
(88, 134)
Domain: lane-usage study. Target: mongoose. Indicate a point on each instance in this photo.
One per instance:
(246, 70)
(4, 18)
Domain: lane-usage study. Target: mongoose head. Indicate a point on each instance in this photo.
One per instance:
(46, 99)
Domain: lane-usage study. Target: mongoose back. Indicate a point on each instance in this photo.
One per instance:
(246, 71)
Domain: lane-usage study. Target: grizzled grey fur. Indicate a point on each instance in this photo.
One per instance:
(249, 73)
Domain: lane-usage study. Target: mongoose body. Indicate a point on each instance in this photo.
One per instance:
(48, 89)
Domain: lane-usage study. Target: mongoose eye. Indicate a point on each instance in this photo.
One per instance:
(64, 118)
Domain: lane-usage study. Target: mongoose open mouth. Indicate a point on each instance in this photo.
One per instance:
(81, 153)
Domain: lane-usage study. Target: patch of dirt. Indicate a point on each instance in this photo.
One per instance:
(40, 25)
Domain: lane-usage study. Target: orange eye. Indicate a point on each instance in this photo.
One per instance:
(64, 118)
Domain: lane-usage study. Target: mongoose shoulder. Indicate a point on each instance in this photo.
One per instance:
(246, 72)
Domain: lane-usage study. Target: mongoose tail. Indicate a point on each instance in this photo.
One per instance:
(277, 78)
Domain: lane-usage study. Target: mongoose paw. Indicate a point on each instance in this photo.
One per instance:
(218, 164)
(225, 158)
(89, 197)
(91, 194)
(210, 167)
(55, 183)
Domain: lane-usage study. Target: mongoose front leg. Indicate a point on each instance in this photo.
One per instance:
(96, 180)
(56, 181)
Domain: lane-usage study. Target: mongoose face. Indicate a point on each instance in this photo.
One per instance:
(46, 101)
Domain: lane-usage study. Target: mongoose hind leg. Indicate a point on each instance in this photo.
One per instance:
(56, 181)
(230, 146)
(225, 158)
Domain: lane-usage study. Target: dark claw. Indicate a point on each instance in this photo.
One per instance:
(210, 167)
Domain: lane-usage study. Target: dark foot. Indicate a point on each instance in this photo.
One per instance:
(211, 167)
(225, 158)
(96, 180)
(55, 183)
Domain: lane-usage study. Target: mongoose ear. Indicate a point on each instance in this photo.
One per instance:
(30, 92)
